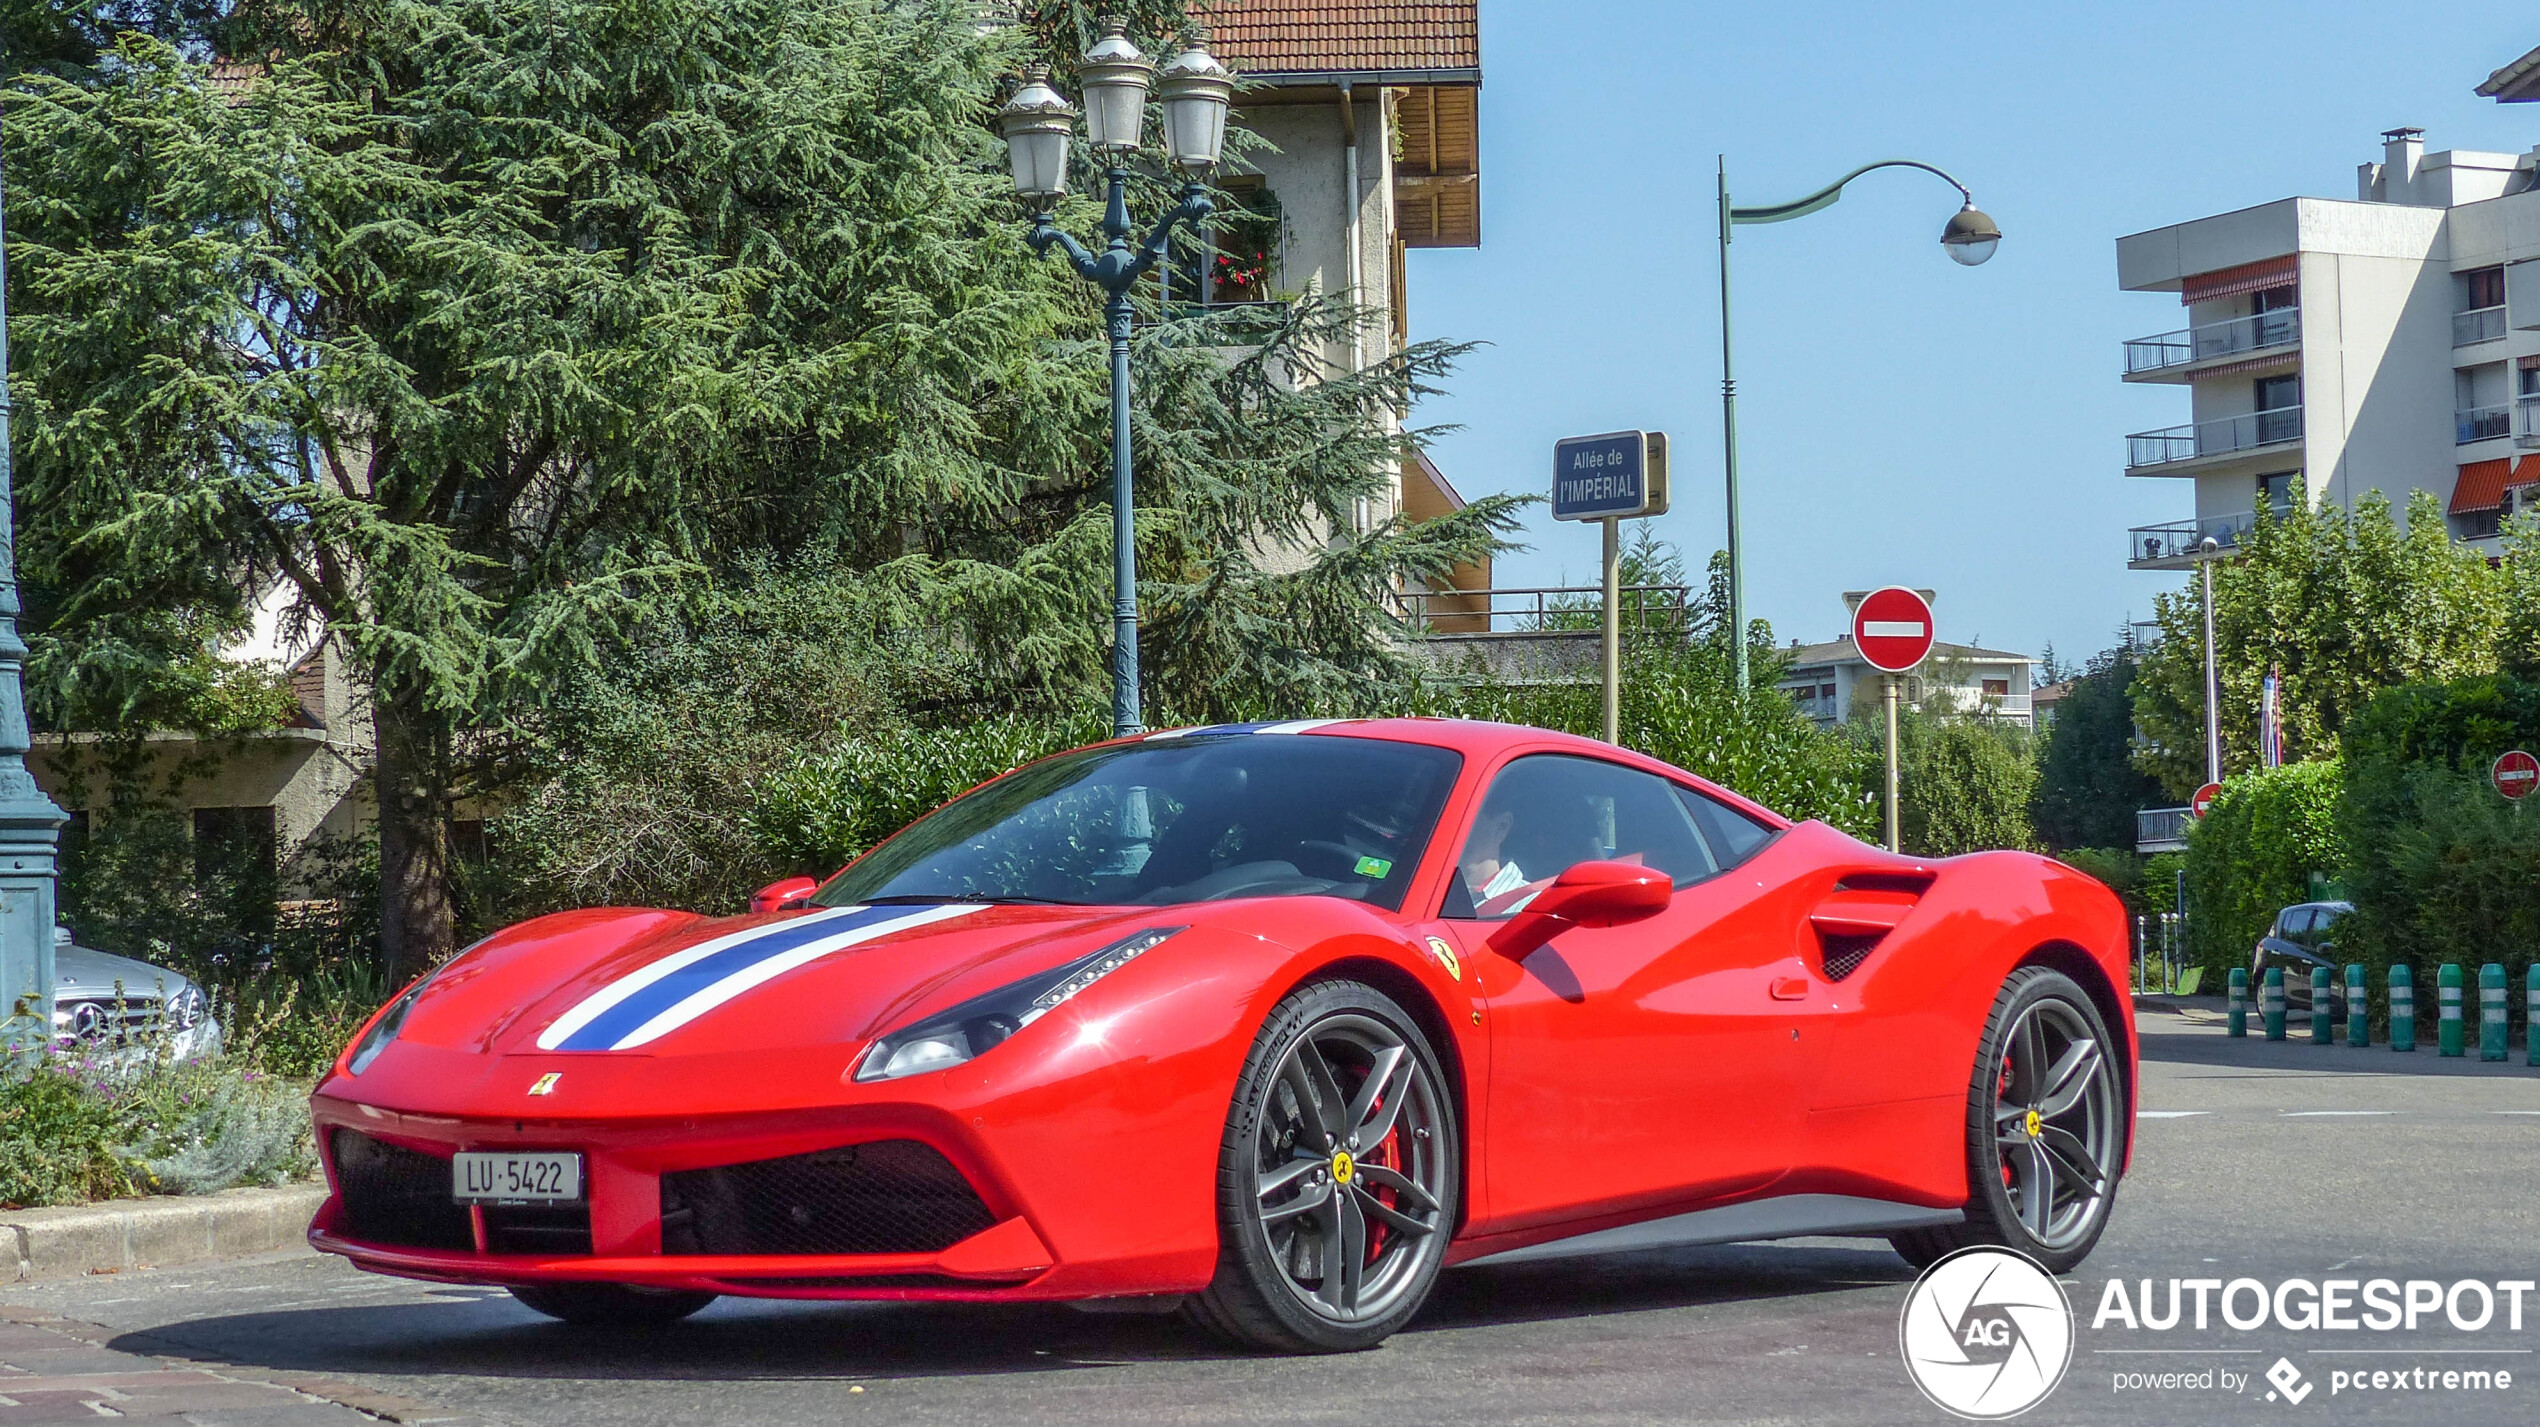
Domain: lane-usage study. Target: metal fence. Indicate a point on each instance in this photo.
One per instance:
(2179, 539)
(1540, 609)
(2160, 954)
(2161, 829)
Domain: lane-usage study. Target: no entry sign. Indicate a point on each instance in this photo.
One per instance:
(2204, 799)
(2516, 773)
(1892, 629)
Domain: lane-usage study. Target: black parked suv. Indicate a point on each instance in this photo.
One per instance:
(2304, 936)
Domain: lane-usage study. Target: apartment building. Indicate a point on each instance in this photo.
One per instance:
(2332, 347)
(1833, 684)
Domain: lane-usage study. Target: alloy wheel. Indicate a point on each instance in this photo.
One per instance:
(2055, 1123)
(1351, 1168)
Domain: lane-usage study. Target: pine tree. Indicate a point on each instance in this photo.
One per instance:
(494, 328)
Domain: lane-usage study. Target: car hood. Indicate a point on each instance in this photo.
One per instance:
(668, 984)
(82, 973)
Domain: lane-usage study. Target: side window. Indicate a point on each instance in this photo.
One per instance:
(1732, 834)
(1548, 813)
(2295, 923)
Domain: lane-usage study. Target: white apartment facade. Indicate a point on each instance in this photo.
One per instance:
(1833, 684)
(2335, 347)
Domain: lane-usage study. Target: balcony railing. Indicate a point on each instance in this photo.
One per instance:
(2213, 438)
(1547, 609)
(2484, 423)
(2479, 324)
(2527, 421)
(2161, 829)
(2215, 339)
(2152, 546)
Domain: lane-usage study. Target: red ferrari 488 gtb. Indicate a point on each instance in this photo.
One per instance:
(1276, 1020)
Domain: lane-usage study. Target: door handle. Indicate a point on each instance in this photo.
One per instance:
(1790, 988)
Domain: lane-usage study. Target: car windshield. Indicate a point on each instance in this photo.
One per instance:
(1175, 820)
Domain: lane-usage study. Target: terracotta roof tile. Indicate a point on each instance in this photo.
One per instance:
(1272, 37)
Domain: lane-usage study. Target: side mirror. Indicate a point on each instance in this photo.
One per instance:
(1589, 894)
(776, 896)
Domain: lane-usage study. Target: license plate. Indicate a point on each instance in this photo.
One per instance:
(528, 1177)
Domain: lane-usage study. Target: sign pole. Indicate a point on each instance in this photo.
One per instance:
(1891, 762)
(1613, 655)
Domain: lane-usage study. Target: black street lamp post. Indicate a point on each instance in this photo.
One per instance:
(1037, 123)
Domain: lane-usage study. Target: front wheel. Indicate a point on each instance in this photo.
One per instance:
(2045, 1129)
(610, 1305)
(1337, 1179)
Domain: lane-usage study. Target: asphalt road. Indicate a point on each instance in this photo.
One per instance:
(2261, 1161)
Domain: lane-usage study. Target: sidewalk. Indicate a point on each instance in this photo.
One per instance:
(55, 1370)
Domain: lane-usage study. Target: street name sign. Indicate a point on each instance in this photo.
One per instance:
(2204, 799)
(1893, 629)
(1620, 475)
(2516, 773)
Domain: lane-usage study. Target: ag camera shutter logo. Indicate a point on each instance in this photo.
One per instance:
(1986, 1333)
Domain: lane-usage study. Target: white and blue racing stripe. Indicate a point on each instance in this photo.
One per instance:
(1220, 730)
(649, 1003)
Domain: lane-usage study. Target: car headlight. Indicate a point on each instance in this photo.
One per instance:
(384, 1029)
(187, 1007)
(973, 1027)
(392, 1020)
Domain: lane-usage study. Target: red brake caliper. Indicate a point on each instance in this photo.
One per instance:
(2002, 1091)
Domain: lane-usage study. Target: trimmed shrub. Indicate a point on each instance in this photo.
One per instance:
(2253, 854)
(2444, 869)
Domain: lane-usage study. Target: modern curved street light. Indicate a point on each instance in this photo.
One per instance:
(1969, 238)
(1037, 123)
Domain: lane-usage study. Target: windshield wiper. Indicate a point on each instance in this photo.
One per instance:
(928, 899)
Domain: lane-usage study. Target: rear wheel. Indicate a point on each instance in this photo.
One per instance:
(2045, 1129)
(1337, 1179)
(610, 1305)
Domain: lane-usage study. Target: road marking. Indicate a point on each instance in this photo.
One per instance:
(2514, 1112)
(2315, 1114)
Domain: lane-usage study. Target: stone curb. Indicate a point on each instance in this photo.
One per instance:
(154, 1233)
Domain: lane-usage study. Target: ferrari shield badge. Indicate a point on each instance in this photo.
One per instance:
(546, 1084)
(1446, 957)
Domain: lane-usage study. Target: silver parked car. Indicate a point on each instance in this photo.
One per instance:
(114, 1004)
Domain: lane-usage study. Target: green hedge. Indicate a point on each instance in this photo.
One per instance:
(2444, 869)
(2253, 853)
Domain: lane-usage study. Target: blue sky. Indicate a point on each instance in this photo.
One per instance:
(1903, 420)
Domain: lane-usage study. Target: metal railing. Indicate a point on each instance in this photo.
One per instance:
(2484, 423)
(1538, 609)
(2150, 545)
(2160, 953)
(2219, 437)
(2161, 829)
(2479, 324)
(2214, 339)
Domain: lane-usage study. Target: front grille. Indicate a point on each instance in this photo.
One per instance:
(105, 1022)
(538, 1229)
(394, 1195)
(887, 1197)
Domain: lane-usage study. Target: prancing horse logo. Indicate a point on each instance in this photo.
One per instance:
(546, 1084)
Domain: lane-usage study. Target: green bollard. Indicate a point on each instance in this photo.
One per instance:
(2323, 1018)
(2450, 1033)
(2273, 1007)
(2403, 1009)
(2357, 1032)
(2239, 1014)
(2531, 1014)
(2491, 1012)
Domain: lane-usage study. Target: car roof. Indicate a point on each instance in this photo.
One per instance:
(1477, 739)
